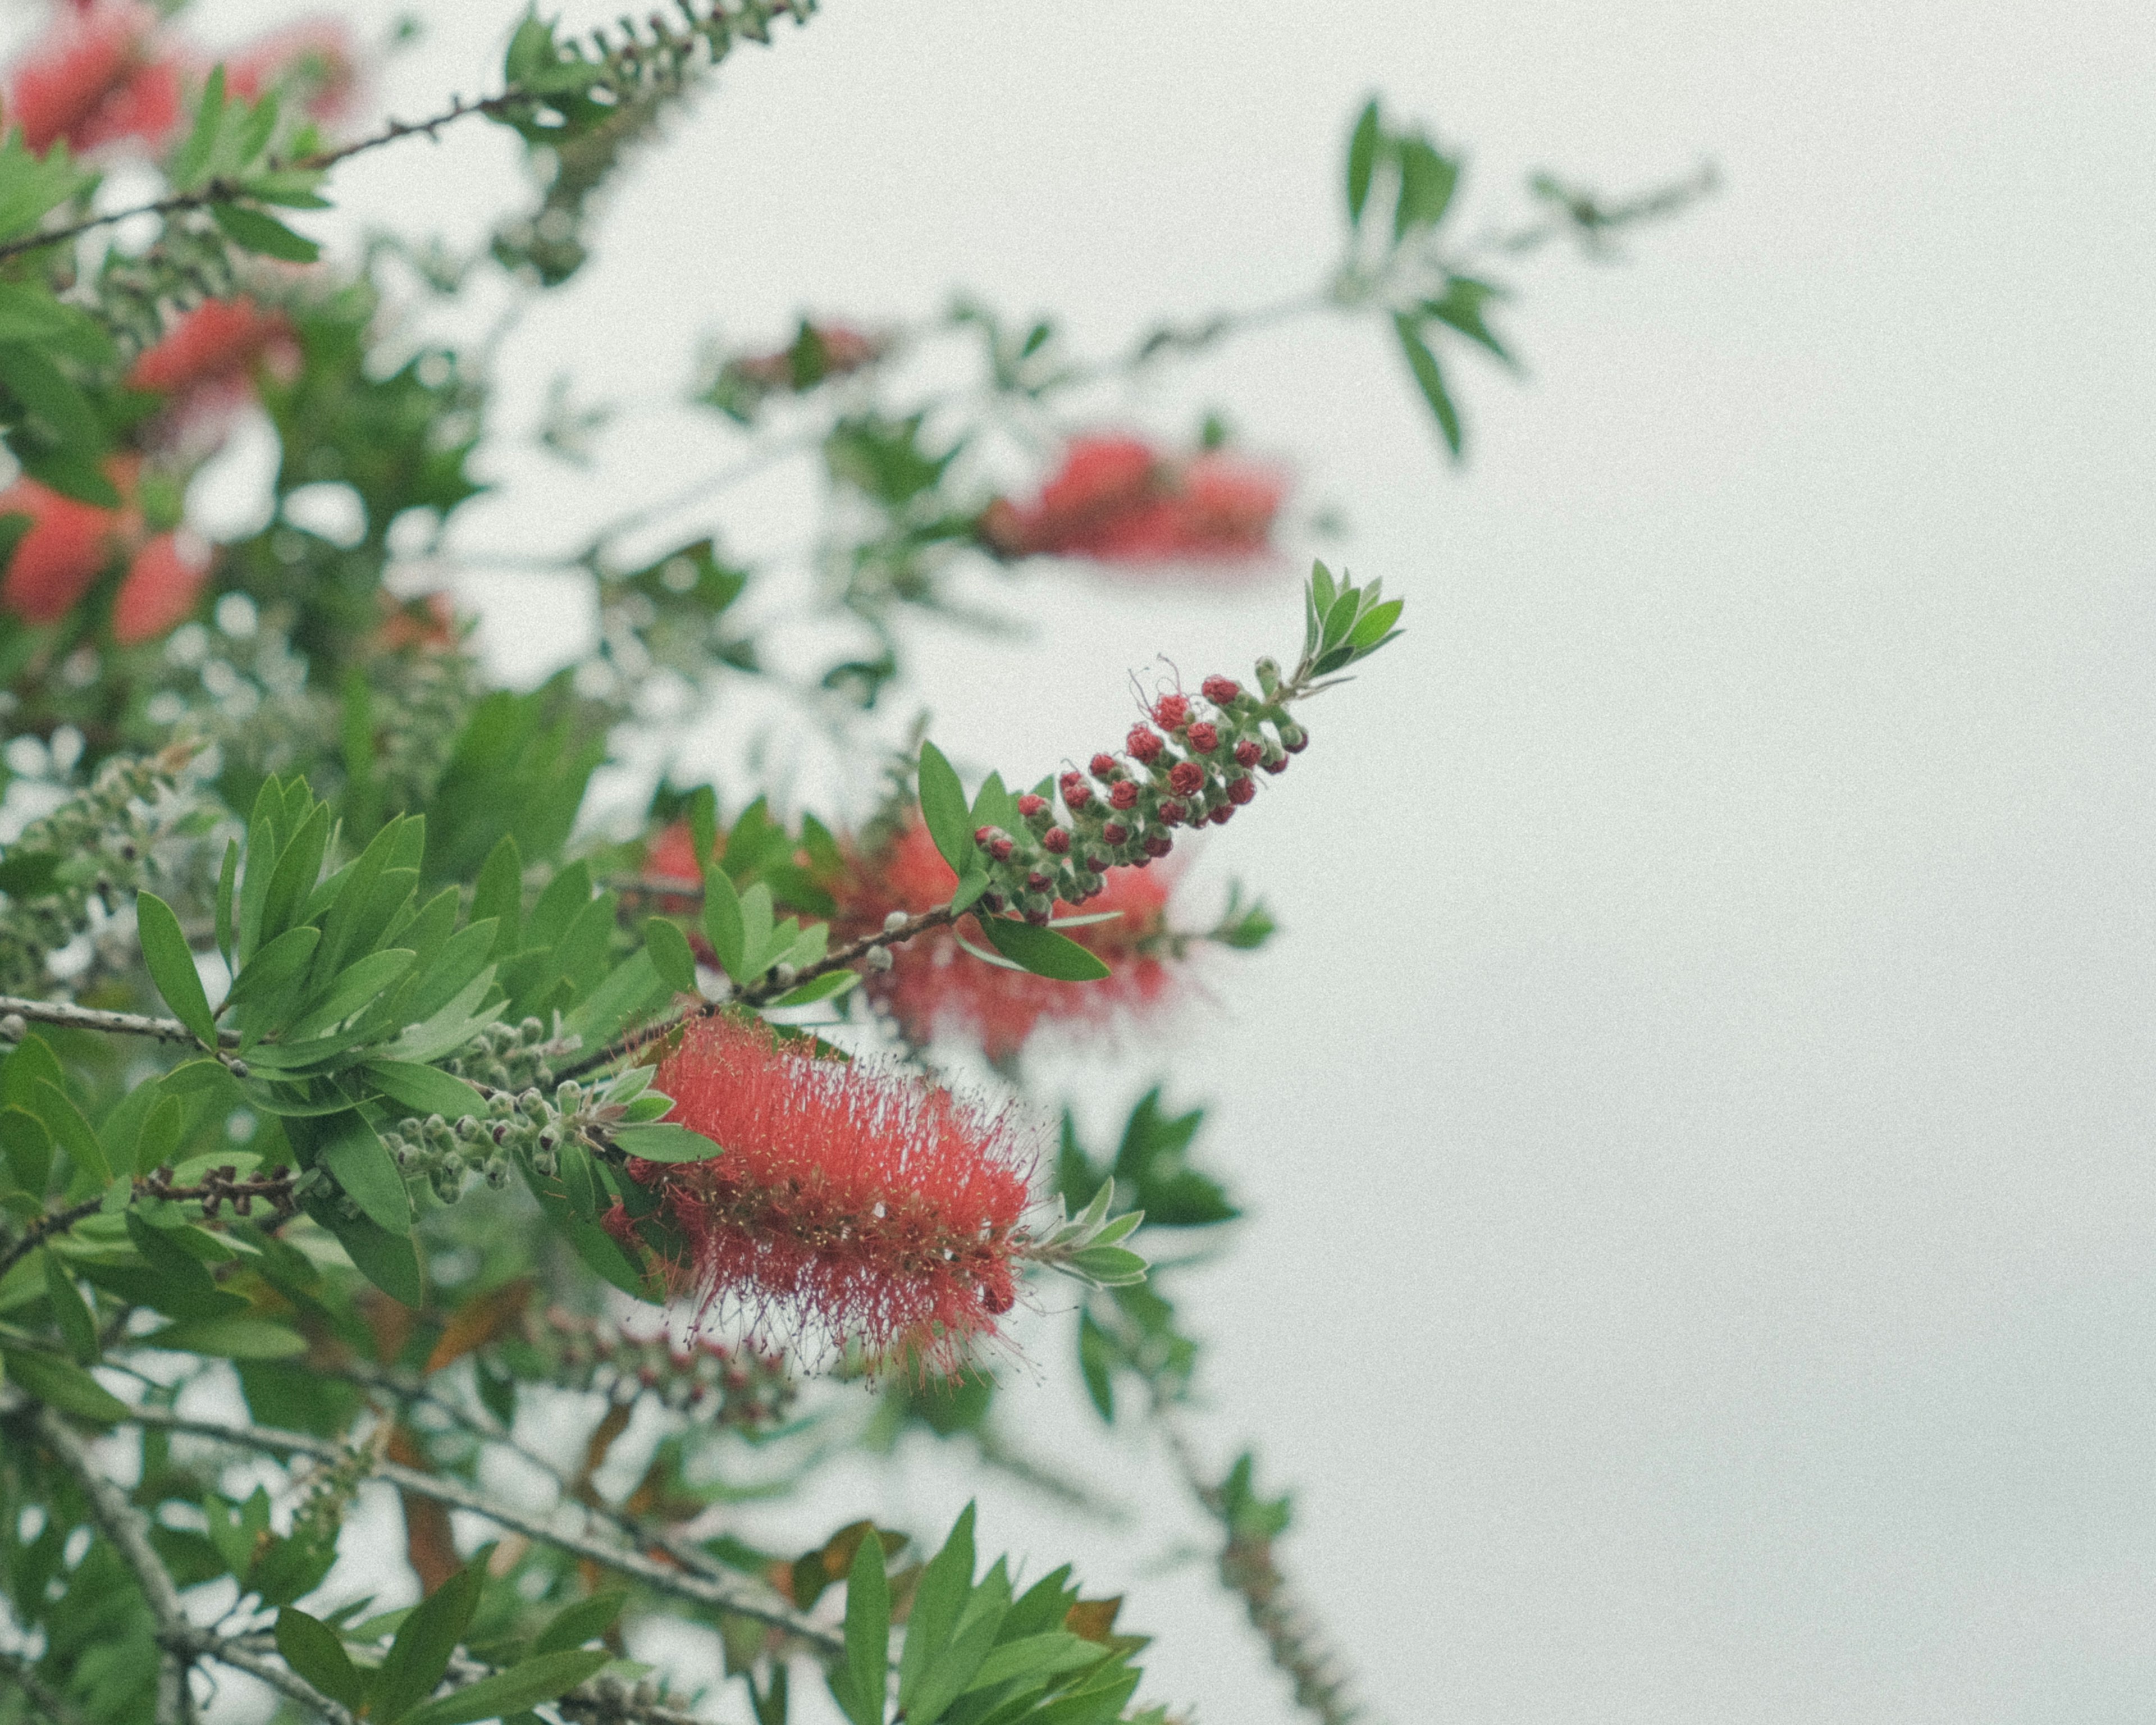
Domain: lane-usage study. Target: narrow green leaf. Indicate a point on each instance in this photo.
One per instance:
(585, 1620)
(389, 1261)
(832, 983)
(937, 1598)
(62, 1385)
(523, 1686)
(943, 808)
(226, 877)
(1370, 628)
(29, 1148)
(77, 1328)
(191, 162)
(172, 967)
(313, 1650)
(1429, 378)
(274, 965)
(358, 984)
(1042, 1656)
(723, 925)
(253, 231)
(500, 894)
(70, 1130)
(425, 1090)
(1042, 950)
(1111, 1266)
(868, 1634)
(420, 1653)
(1362, 161)
(970, 889)
(1427, 181)
(665, 1142)
(1097, 1358)
(346, 1145)
(670, 955)
(237, 1337)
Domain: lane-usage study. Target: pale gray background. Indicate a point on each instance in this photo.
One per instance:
(1697, 1121)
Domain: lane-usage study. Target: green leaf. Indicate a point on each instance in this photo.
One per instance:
(723, 925)
(29, 314)
(227, 876)
(970, 888)
(1042, 950)
(821, 988)
(1427, 181)
(358, 985)
(1340, 618)
(943, 808)
(346, 1145)
(857, 1684)
(425, 1090)
(451, 1027)
(253, 231)
(522, 1686)
(1097, 1358)
(29, 1147)
(313, 1650)
(665, 1142)
(500, 894)
(1321, 591)
(64, 1120)
(58, 1384)
(46, 393)
(670, 956)
(32, 186)
(236, 1337)
(1371, 627)
(1035, 1656)
(1429, 378)
(389, 1261)
(1363, 160)
(420, 1654)
(274, 965)
(191, 162)
(585, 1620)
(1461, 309)
(937, 1598)
(77, 1328)
(1111, 1266)
(172, 967)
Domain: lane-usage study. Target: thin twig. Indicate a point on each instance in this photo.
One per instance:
(66, 1016)
(43, 1697)
(703, 1590)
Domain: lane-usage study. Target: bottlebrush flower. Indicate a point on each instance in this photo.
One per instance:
(671, 855)
(313, 60)
(211, 351)
(99, 76)
(66, 547)
(850, 1206)
(1117, 500)
(162, 586)
(933, 984)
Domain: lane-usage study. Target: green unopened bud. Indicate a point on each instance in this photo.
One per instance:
(1269, 676)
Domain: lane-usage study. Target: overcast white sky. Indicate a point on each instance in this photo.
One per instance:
(1697, 1119)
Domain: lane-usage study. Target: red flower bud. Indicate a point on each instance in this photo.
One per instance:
(1000, 848)
(1274, 763)
(1058, 839)
(1105, 766)
(1144, 745)
(1294, 738)
(983, 835)
(1241, 788)
(1247, 753)
(1158, 844)
(1203, 738)
(1221, 691)
(1220, 816)
(1171, 712)
(1115, 832)
(1173, 814)
(1040, 882)
(1186, 778)
(1077, 796)
(1037, 918)
(1029, 805)
(1125, 795)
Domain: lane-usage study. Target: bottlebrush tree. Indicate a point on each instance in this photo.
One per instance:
(370, 1110)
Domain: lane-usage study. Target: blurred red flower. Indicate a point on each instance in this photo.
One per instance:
(66, 546)
(313, 60)
(1116, 499)
(99, 75)
(934, 984)
(160, 587)
(214, 348)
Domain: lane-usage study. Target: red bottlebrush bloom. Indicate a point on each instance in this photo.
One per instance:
(162, 586)
(1117, 500)
(66, 547)
(933, 985)
(851, 1205)
(672, 855)
(213, 349)
(313, 60)
(99, 77)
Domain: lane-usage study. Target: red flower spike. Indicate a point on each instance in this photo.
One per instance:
(1186, 778)
(1203, 738)
(65, 547)
(214, 345)
(1221, 691)
(314, 60)
(98, 77)
(851, 1205)
(1124, 795)
(1241, 788)
(1171, 712)
(1116, 499)
(162, 587)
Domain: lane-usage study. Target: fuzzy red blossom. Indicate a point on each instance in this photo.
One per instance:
(1172, 712)
(851, 1205)
(162, 585)
(65, 549)
(101, 74)
(213, 350)
(933, 985)
(1144, 744)
(313, 60)
(1117, 500)
(672, 855)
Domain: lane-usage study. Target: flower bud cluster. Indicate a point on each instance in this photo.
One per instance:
(529, 1123)
(736, 1387)
(1194, 763)
(512, 1056)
